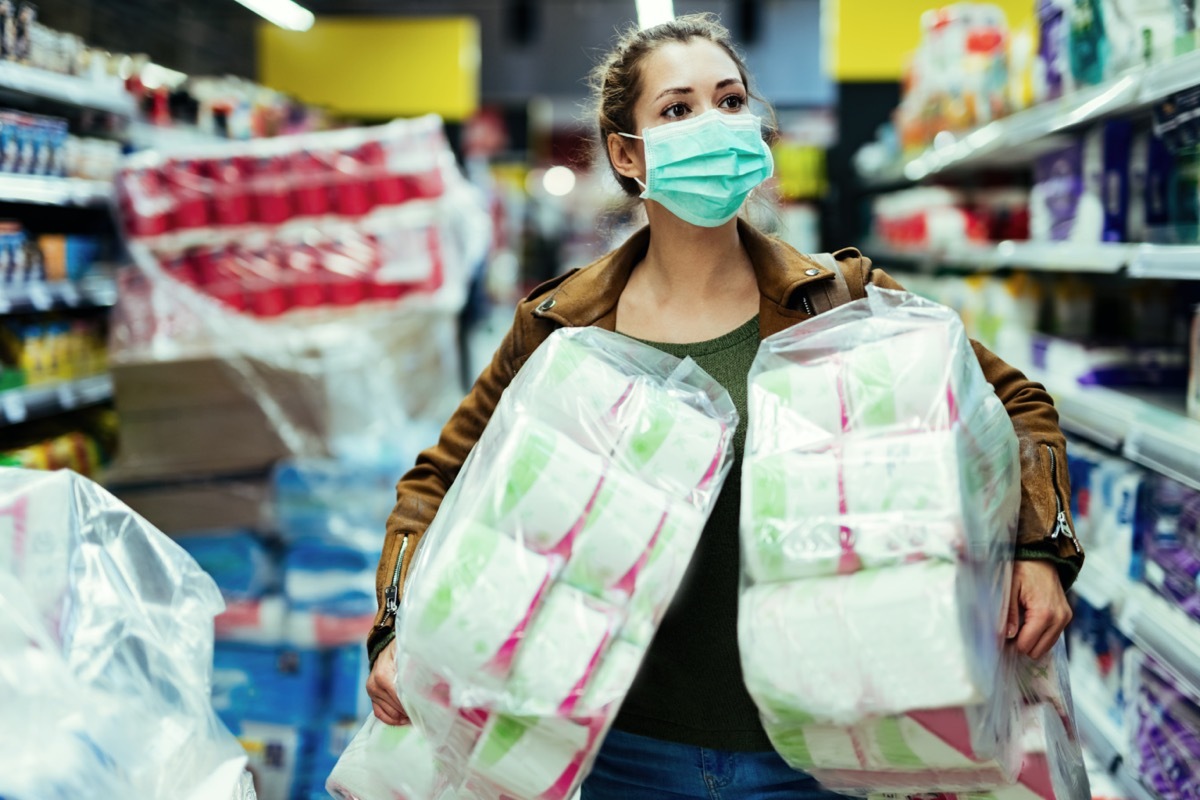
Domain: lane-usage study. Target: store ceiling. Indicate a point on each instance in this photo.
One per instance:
(530, 47)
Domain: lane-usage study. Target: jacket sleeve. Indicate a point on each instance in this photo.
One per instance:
(420, 492)
(1045, 529)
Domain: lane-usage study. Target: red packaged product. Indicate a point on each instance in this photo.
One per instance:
(271, 192)
(303, 274)
(353, 191)
(311, 174)
(231, 197)
(147, 203)
(190, 188)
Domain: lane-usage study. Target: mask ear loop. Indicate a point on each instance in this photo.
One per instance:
(632, 136)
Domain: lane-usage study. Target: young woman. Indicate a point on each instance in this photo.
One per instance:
(674, 119)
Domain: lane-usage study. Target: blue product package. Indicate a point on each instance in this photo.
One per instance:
(281, 685)
(81, 253)
(348, 676)
(1157, 191)
(330, 578)
(1108, 149)
(280, 757)
(334, 500)
(242, 565)
(332, 740)
(9, 146)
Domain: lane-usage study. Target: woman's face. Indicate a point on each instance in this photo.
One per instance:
(680, 81)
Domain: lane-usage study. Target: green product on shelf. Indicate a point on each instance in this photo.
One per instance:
(11, 378)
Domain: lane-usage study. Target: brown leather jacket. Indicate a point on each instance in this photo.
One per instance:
(793, 287)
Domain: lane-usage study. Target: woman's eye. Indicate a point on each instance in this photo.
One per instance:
(677, 110)
(733, 101)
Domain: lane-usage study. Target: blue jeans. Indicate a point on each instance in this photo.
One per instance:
(630, 767)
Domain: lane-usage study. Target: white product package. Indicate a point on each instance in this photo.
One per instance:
(881, 488)
(100, 612)
(534, 594)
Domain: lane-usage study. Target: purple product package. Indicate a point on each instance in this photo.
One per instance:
(1054, 29)
(1081, 192)
(1058, 185)
(1166, 746)
(1106, 171)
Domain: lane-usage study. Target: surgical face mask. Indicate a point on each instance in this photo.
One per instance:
(704, 168)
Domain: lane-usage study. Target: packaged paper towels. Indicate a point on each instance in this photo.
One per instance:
(550, 564)
(100, 612)
(384, 761)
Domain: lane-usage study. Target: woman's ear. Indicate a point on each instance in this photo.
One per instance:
(625, 155)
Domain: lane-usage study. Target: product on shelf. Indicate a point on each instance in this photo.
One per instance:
(26, 261)
(31, 144)
(1165, 750)
(1081, 192)
(1169, 522)
(76, 451)
(934, 217)
(101, 612)
(1107, 495)
(47, 350)
(548, 567)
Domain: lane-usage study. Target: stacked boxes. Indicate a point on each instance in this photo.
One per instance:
(535, 592)
(881, 489)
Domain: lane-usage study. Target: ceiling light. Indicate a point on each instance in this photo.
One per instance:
(284, 13)
(654, 12)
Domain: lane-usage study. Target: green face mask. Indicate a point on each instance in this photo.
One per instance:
(704, 168)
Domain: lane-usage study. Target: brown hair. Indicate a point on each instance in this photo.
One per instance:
(616, 82)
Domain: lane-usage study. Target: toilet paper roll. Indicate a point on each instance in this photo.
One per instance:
(531, 758)
(616, 537)
(472, 601)
(792, 522)
(611, 682)
(903, 381)
(916, 472)
(384, 762)
(561, 649)
(660, 576)
(795, 407)
(577, 393)
(668, 443)
(844, 648)
(540, 486)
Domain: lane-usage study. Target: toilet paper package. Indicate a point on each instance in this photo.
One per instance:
(874, 440)
(536, 590)
(102, 613)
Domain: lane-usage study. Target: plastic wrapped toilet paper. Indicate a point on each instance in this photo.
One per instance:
(844, 648)
(474, 601)
(102, 612)
(550, 563)
(384, 761)
(544, 484)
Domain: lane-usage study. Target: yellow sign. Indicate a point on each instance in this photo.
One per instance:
(376, 67)
(871, 40)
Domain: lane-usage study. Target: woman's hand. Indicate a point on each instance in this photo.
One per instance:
(381, 687)
(1038, 611)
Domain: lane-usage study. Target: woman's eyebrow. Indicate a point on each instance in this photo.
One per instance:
(689, 90)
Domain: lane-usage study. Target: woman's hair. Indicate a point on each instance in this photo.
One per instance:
(616, 81)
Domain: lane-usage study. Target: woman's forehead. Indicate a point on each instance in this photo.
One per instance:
(698, 64)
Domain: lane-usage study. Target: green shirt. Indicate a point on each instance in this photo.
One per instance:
(690, 688)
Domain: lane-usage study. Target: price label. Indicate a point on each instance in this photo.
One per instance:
(12, 404)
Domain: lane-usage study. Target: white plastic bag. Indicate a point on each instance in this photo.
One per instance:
(549, 565)
(105, 652)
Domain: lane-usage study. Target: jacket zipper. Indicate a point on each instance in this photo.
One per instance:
(391, 593)
(808, 308)
(1062, 527)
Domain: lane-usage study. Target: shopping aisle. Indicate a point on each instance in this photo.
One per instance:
(1057, 212)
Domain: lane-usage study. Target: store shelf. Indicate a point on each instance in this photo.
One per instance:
(1040, 256)
(98, 291)
(67, 89)
(1164, 631)
(1171, 262)
(35, 402)
(1102, 737)
(1020, 138)
(54, 191)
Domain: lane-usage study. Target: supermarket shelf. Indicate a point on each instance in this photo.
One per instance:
(1172, 262)
(66, 89)
(54, 191)
(1164, 631)
(1023, 136)
(1103, 738)
(96, 291)
(35, 402)
(1047, 256)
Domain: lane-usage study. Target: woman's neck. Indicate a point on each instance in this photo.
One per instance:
(687, 263)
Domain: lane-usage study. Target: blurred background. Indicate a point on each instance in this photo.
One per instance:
(253, 253)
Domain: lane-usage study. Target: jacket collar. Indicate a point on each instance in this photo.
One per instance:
(590, 295)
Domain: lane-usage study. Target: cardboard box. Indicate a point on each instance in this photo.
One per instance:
(202, 505)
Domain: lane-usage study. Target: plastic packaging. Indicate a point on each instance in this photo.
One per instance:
(323, 331)
(551, 561)
(881, 488)
(101, 613)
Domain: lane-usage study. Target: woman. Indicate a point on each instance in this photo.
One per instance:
(674, 120)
